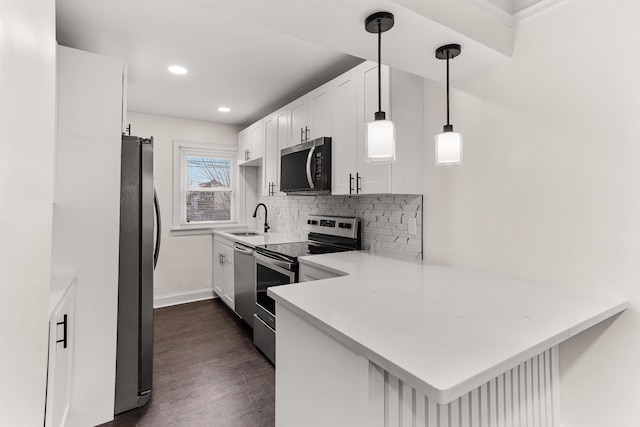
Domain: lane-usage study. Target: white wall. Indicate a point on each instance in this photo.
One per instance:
(550, 187)
(185, 263)
(27, 128)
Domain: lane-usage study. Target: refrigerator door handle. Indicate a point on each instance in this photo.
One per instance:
(156, 205)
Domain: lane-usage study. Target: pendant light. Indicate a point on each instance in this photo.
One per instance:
(448, 143)
(380, 134)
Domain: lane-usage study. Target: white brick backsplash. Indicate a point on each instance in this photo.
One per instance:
(384, 218)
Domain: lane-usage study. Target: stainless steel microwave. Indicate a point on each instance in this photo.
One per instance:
(306, 168)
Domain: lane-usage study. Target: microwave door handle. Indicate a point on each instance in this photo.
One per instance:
(309, 175)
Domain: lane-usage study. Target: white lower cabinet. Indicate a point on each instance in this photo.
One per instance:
(223, 270)
(309, 273)
(60, 364)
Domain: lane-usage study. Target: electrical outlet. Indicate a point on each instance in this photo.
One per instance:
(413, 227)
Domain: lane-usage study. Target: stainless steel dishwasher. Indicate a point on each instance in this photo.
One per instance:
(244, 282)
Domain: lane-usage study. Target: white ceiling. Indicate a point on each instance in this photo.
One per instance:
(256, 55)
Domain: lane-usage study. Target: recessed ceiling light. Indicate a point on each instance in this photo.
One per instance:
(224, 109)
(177, 69)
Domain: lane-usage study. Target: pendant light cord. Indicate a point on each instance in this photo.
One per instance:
(448, 124)
(379, 69)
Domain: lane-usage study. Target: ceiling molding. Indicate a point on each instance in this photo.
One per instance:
(513, 12)
(535, 9)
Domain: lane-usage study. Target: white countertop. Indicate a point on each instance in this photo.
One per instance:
(444, 330)
(260, 239)
(60, 284)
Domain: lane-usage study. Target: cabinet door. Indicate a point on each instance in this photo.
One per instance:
(218, 270)
(229, 289)
(298, 120)
(374, 178)
(321, 114)
(345, 134)
(60, 370)
(223, 270)
(275, 131)
(256, 149)
(282, 125)
(244, 142)
(270, 162)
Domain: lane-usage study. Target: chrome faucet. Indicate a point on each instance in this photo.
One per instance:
(266, 226)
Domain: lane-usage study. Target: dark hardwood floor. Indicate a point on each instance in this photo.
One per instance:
(206, 372)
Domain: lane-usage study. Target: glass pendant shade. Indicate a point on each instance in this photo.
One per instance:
(448, 148)
(448, 143)
(380, 141)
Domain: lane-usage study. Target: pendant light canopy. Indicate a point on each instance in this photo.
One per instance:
(448, 143)
(380, 134)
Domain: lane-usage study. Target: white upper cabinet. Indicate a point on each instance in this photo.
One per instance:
(371, 178)
(299, 113)
(310, 116)
(321, 117)
(339, 109)
(276, 138)
(244, 142)
(355, 102)
(257, 141)
(251, 144)
(344, 150)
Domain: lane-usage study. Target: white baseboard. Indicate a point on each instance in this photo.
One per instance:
(183, 297)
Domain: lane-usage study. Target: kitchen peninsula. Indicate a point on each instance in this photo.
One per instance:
(397, 342)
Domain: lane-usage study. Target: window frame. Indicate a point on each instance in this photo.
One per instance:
(182, 150)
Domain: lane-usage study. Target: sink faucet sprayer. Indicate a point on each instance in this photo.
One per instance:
(266, 226)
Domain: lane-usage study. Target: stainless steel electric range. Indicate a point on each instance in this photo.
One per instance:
(277, 264)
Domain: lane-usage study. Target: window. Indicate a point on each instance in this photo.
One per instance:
(204, 185)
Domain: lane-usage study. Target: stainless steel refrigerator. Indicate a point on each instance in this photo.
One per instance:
(139, 216)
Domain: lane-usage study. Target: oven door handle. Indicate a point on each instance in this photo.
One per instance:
(272, 261)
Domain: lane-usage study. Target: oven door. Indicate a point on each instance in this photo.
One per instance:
(270, 272)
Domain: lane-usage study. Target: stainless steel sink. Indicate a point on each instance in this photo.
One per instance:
(244, 233)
